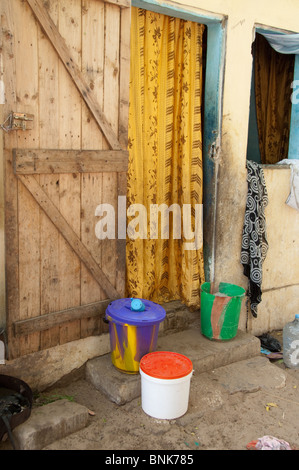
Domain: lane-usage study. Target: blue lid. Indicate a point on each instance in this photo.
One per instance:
(137, 305)
(121, 311)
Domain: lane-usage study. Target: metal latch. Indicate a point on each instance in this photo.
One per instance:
(17, 121)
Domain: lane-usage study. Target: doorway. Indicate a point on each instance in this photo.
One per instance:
(172, 137)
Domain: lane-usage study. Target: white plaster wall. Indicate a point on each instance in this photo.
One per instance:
(280, 298)
(281, 275)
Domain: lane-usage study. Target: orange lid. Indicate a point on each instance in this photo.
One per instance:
(166, 365)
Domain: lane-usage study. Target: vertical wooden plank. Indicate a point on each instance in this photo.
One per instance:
(28, 211)
(49, 138)
(69, 263)
(2, 235)
(124, 76)
(109, 246)
(69, 185)
(11, 253)
(90, 289)
(111, 110)
(11, 190)
(125, 25)
(2, 205)
(91, 195)
(93, 14)
(92, 138)
(25, 33)
(49, 249)
(48, 86)
(29, 265)
(69, 100)
(121, 242)
(112, 63)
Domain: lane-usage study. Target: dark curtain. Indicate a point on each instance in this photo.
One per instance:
(274, 74)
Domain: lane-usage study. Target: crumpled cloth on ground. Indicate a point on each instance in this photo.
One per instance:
(254, 236)
(293, 197)
(269, 443)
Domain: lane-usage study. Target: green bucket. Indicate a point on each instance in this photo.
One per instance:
(220, 312)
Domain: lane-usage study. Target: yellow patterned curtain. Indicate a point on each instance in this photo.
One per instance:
(165, 157)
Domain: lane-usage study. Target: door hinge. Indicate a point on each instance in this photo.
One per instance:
(17, 121)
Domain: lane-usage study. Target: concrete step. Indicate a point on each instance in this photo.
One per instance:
(49, 423)
(205, 355)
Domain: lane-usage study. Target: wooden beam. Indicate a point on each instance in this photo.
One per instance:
(34, 161)
(62, 50)
(68, 233)
(49, 320)
(119, 3)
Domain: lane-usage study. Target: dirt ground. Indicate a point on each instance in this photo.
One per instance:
(216, 418)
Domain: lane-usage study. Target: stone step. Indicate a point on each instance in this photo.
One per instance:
(205, 355)
(49, 423)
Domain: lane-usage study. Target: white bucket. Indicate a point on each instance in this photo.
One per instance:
(165, 398)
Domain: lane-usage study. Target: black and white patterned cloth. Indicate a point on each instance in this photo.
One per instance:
(254, 236)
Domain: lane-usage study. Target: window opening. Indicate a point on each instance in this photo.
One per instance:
(270, 103)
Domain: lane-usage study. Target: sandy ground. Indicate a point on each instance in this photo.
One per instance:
(215, 419)
(219, 417)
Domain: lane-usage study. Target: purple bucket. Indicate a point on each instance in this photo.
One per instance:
(133, 333)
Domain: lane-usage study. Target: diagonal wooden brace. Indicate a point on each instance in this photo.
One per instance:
(68, 233)
(62, 50)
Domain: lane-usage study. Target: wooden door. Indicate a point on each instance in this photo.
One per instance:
(66, 75)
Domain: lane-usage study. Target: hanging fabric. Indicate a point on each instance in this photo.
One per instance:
(283, 43)
(254, 236)
(293, 197)
(274, 74)
(165, 155)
